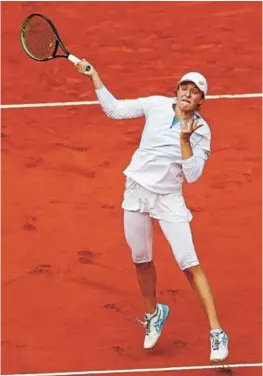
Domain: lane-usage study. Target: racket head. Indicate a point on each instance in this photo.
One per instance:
(39, 38)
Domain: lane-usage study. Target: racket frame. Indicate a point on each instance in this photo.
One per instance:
(59, 42)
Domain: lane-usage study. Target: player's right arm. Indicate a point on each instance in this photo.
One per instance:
(114, 108)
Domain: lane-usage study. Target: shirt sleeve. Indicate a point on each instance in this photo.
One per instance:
(122, 109)
(202, 146)
(193, 167)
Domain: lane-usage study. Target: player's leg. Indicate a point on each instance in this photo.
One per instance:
(180, 238)
(139, 233)
(200, 285)
(218, 337)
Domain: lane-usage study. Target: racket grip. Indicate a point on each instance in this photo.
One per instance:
(75, 60)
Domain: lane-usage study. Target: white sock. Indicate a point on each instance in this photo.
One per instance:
(150, 315)
(214, 331)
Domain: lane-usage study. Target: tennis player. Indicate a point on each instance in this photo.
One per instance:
(174, 146)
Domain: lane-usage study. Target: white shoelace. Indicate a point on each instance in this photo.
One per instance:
(147, 321)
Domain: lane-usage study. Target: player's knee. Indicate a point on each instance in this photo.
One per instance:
(192, 271)
(141, 260)
(143, 266)
(189, 264)
(141, 256)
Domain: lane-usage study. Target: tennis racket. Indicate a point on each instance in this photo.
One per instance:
(41, 41)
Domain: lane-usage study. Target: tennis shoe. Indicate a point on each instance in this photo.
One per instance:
(154, 324)
(219, 345)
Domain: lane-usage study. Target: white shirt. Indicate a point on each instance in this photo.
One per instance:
(157, 163)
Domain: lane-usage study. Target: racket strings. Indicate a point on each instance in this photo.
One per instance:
(39, 38)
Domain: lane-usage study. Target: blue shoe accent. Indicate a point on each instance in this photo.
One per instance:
(161, 321)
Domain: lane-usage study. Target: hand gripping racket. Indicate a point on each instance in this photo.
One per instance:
(41, 42)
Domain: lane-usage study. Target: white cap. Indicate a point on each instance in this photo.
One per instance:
(198, 79)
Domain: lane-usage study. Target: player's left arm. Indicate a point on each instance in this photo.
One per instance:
(195, 155)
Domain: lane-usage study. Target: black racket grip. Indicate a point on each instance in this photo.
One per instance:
(88, 68)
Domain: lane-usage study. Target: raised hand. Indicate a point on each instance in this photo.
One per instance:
(82, 65)
(188, 127)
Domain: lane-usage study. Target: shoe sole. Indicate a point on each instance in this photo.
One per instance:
(216, 360)
(166, 314)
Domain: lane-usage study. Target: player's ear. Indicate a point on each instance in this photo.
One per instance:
(176, 90)
(201, 100)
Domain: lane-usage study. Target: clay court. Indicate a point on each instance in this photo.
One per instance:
(69, 293)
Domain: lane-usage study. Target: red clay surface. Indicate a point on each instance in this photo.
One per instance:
(69, 294)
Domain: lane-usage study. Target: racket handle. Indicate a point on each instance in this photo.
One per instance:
(75, 60)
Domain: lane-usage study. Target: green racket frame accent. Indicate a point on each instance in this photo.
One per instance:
(58, 40)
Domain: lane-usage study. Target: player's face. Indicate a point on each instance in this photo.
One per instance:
(189, 96)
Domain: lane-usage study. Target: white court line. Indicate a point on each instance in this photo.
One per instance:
(89, 103)
(108, 372)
